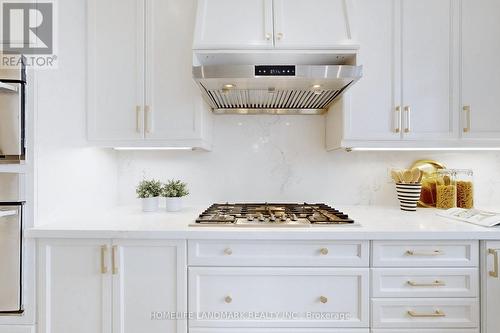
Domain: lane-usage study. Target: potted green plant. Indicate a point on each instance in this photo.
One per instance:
(174, 191)
(149, 191)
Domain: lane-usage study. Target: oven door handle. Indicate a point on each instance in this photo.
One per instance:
(6, 87)
(7, 213)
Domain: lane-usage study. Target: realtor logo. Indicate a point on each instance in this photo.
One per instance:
(28, 28)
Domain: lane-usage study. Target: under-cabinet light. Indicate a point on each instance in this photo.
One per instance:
(153, 148)
(424, 149)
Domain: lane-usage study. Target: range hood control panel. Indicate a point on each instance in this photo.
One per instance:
(274, 70)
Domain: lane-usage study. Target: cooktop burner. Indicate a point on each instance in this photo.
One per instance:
(270, 214)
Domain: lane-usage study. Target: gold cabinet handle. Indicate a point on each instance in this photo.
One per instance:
(228, 251)
(324, 251)
(467, 115)
(114, 266)
(280, 35)
(138, 119)
(397, 112)
(408, 119)
(104, 254)
(435, 314)
(494, 272)
(436, 283)
(268, 36)
(147, 118)
(228, 299)
(323, 299)
(424, 254)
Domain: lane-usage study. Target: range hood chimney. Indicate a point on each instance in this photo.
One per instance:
(274, 82)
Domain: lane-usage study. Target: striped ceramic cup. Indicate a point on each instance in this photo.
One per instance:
(408, 195)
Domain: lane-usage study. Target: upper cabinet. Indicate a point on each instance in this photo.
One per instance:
(409, 93)
(270, 24)
(234, 24)
(140, 87)
(313, 24)
(480, 72)
(429, 68)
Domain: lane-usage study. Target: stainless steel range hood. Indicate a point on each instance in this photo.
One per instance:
(235, 88)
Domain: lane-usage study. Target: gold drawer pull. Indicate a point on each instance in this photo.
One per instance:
(228, 299)
(104, 254)
(436, 314)
(114, 267)
(494, 272)
(424, 254)
(228, 251)
(436, 283)
(323, 299)
(324, 251)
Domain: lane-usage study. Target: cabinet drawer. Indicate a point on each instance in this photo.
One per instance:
(278, 253)
(294, 297)
(425, 254)
(425, 282)
(16, 329)
(425, 313)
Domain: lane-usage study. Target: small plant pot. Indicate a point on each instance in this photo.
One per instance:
(150, 204)
(408, 195)
(174, 204)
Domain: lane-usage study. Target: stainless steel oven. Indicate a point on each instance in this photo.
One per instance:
(12, 113)
(11, 257)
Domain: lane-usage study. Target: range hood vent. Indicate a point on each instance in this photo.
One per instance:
(274, 89)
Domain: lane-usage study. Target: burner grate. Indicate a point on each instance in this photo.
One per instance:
(272, 214)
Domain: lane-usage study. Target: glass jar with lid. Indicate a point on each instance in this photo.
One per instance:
(465, 188)
(446, 189)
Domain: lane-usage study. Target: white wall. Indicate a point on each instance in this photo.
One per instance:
(70, 177)
(282, 158)
(255, 158)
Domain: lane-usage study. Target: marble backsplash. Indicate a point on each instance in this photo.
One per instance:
(282, 158)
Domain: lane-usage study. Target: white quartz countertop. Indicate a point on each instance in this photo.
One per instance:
(375, 223)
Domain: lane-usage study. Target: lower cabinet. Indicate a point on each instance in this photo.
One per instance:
(278, 297)
(490, 285)
(104, 286)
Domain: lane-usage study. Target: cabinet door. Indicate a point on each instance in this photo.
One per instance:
(429, 69)
(149, 281)
(74, 287)
(372, 113)
(174, 106)
(234, 24)
(480, 73)
(321, 24)
(115, 69)
(490, 278)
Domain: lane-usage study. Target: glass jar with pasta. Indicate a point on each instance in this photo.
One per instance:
(446, 189)
(465, 188)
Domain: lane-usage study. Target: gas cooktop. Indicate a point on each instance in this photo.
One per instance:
(271, 215)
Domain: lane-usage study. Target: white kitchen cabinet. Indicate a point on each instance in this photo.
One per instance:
(234, 24)
(115, 69)
(480, 74)
(371, 103)
(149, 277)
(174, 107)
(140, 87)
(490, 285)
(270, 24)
(409, 91)
(320, 24)
(74, 293)
(340, 292)
(429, 69)
(111, 286)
